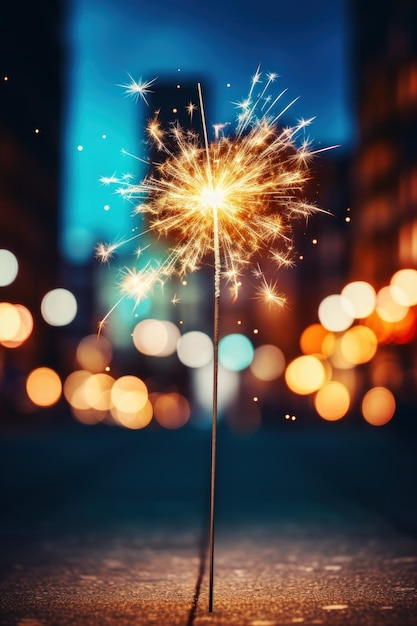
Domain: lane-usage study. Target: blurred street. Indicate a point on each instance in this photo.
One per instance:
(102, 525)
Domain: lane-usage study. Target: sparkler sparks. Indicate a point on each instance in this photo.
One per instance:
(191, 107)
(138, 88)
(104, 252)
(239, 193)
(268, 293)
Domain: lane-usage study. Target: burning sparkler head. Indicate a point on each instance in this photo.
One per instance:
(253, 181)
(235, 196)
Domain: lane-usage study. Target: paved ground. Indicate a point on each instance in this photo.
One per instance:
(107, 527)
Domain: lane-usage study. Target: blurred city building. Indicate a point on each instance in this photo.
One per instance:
(384, 175)
(383, 236)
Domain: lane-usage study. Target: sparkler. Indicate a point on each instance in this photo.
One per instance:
(232, 200)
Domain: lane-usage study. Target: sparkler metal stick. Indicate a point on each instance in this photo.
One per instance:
(213, 446)
(216, 320)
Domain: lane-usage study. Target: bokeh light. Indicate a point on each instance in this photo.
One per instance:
(381, 329)
(155, 337)
(236, 352)
(378, 406)
(25, 328)
(94, 353)
(43, 386)
(16, 324)
(202, 385)
(171, 410)
(312, 339)
(74, 389)
(330, 344)
(9, 321)
(405, 330)
(305, 374)
(134, 420)
(9, 267)
(336, 313)
(406, 281)
(59, 307)
(362, 297)
(332, 401)
(195, 349)
(268, 362)
(388, 304)
(358, 345)
(97, 391)
(129, 394)
(89, 395)
(401, 331)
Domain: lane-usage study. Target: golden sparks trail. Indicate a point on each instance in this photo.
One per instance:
(240, 193)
